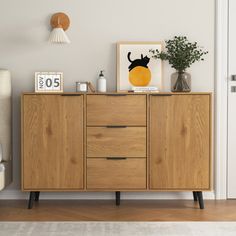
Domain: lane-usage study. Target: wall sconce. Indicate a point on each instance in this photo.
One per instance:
(60, 22)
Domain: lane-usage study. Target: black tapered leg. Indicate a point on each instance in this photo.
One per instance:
(31, 200)
(117, 198)
(37, 196)
(200, 200)
(195, 196)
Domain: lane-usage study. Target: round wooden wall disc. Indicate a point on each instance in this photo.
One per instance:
(60, 19)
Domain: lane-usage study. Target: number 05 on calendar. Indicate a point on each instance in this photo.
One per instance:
(49, 82)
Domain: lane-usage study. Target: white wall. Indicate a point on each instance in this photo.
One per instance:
(96, 26)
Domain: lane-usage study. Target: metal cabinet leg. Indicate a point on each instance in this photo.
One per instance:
(37, 196)
(118, 198)
(31, 200)
(195, 196)
(200, 200)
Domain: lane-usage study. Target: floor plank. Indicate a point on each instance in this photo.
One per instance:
(135, 210)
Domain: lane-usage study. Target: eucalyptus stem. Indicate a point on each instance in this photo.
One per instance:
(180, 53)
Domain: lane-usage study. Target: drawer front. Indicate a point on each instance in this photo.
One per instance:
(127, 110)
(118, 142)
(109, 174)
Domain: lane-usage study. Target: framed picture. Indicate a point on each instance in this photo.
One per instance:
(136, 67)
(49, 82)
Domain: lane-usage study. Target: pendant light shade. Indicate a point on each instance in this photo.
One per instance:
(60, 23)
(58, 35)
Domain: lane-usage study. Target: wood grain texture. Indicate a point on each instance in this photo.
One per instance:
(130, 210)
(129, 110)
(119, 92)
(60, 19)
(177, 139)
(52, 142)
(121, 142)
(180, 142)
(116, 174)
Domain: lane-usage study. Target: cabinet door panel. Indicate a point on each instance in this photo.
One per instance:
(52, 142)
(180, 142)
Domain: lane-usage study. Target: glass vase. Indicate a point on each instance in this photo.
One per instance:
(180, 82)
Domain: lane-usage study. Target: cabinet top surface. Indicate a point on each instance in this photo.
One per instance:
(114, 92)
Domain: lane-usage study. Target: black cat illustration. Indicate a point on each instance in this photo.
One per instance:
(139, 73)
(138, 62)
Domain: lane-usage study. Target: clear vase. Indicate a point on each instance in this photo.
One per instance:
(180, 82)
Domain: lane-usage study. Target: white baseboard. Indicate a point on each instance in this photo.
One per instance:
(17, 194)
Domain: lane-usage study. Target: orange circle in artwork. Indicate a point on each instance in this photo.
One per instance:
(140, 76)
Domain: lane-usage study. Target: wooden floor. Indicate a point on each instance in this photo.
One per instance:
(168, 210)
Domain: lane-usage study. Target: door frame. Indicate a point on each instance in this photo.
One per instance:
(221, 98)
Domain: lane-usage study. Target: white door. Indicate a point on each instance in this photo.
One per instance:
(232, 102)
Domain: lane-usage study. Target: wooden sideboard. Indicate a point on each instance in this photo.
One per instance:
(116, 142)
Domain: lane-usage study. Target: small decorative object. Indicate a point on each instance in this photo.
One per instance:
(180, 82)
(136, 67)
(145, 89)
(102, 83)
(82, 87)
(60, 22)
(91, 87)
(49, 82)
(181, 54)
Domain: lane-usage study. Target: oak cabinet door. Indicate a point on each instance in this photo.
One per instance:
(52, 142)
(180, 142)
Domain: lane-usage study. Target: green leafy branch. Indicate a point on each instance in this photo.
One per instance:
(180, 53)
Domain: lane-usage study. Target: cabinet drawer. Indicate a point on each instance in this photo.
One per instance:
(121, 109)
(116, 174)
(121, 142)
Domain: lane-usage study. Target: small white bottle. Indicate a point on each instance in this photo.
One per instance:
(101, 83)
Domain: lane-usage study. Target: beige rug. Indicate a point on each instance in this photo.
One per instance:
(118, 228)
